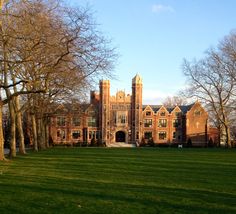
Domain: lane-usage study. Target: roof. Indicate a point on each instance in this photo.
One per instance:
(70, 108)
(137, 79)
(155, 108)
(184, 108)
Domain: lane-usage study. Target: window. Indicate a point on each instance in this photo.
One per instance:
(121, 117)
(174, 135)
(61, 121)
(58, 133)
(61, 134)
(147, 135)
(162, 123)
(137, 135)
(162, 135)
(197, 125)
(91, 113)
(148, 113)
(162, 114)
(147, 123)
(97, 134)
(76, 134)
(120, 107)
(176, 123)
(197, 113)
(76, 121)
(92, 135)
(177, 114)
(92, 122)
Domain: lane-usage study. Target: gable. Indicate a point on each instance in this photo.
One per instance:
(163, 111)
(197, 110)
(91, 110)
(176, 111)
(148, 111)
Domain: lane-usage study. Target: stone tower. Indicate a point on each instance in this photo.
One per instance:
(104, 111)
(136, 109)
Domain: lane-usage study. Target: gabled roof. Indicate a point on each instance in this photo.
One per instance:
(146, 107)
(84, 106)
(155, 108)
(170, 109)
(186, 108)
(66, 108)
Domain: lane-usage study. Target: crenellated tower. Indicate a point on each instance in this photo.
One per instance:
(136, 109)
(104, 110)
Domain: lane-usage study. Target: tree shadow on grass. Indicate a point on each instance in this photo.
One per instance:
(64, 196)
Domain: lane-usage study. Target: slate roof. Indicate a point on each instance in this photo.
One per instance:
(75, 107)
(70, 108)
(155, 108)
(184, 108)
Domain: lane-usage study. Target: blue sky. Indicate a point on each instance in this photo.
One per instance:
(153, 37)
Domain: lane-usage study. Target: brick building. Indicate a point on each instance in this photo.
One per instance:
(123, 118)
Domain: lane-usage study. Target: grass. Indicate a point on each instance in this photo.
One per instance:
(103, 180)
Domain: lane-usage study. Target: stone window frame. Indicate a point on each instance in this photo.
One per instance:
(162, 135)
(161, 124)
(77, 131)
(148, 135)
(61, 121)
(76, 121)
(147, 123)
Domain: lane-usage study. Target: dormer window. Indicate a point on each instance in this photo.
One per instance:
(91, 112)
(197, 113)
(162, 114)
(61, 121)
(76, 121)
(178, 114)
(148, 113)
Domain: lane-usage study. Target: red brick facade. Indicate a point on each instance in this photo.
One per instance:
(123, 118)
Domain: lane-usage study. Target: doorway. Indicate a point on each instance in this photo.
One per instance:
(120, 136)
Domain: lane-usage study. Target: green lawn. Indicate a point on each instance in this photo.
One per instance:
(103, 180)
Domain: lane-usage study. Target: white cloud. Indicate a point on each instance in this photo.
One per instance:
(160, 8)
(154, 97)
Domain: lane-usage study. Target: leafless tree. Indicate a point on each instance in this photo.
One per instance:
(212, 80)
(175, 100)
(48, 51)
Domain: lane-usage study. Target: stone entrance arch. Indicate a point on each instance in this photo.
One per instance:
(120, 136)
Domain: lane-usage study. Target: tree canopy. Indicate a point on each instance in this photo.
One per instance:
(48, 52)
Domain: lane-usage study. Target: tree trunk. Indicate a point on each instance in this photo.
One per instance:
(46, 132)
(19, 127)
(43, 134)
(34, 131)
(28, 128)
(40, 133)
(19, 124)
(12, 152)
(228, 137)
(225, 126)
(2, 156)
